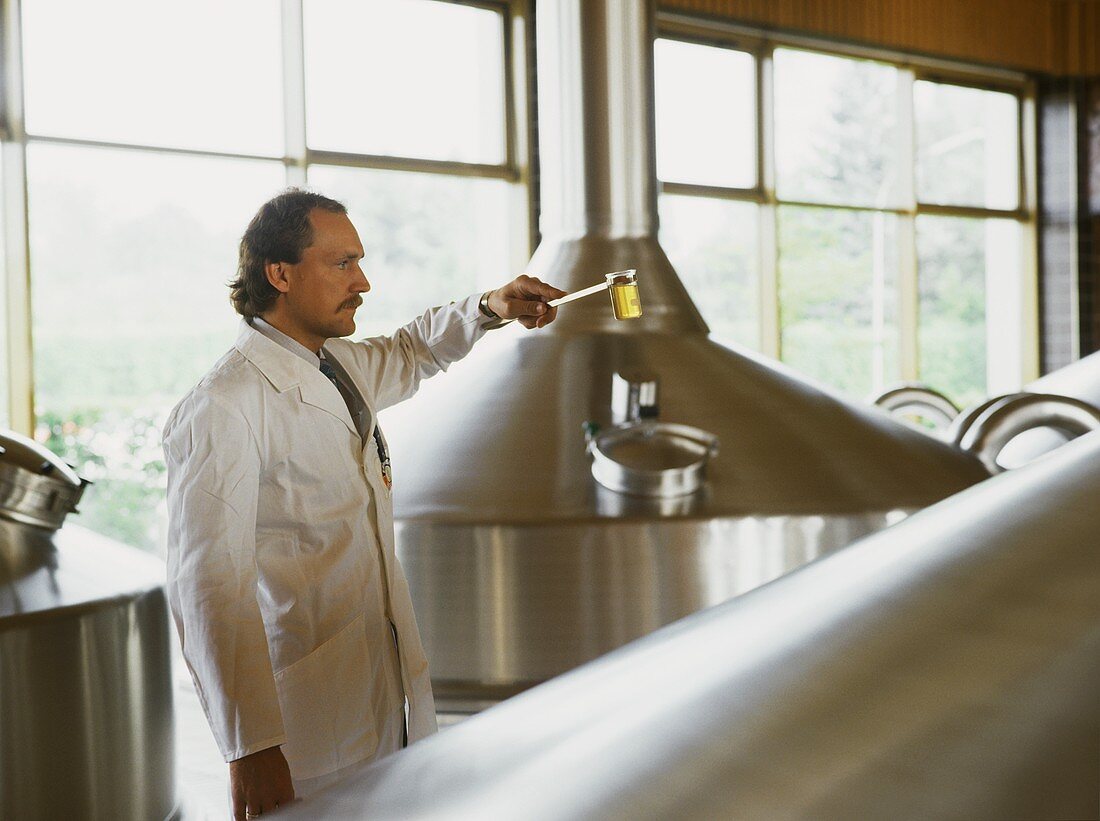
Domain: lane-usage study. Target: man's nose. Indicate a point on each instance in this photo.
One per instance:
(362, 285)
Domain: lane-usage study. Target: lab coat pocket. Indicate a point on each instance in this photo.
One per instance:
(325, 703)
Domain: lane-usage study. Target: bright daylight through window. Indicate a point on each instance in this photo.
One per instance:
(145, 166)
(890, 244)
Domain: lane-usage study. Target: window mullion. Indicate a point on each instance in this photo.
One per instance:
(1030, 366)
(908, 284)
(16, 237)
(294, 93)
(770, 339)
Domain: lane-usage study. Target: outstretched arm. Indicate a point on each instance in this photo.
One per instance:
(524, 300)
(393, 366)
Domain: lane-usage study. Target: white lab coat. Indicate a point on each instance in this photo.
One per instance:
(282, 577)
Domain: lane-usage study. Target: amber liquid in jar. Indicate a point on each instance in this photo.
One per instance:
(625, 300)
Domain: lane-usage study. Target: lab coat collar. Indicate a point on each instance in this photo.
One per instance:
(286, 370)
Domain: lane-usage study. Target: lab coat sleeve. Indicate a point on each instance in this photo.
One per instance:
(213, 464)
(393, 366)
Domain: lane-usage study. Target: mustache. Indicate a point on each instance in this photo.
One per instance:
(352, 303)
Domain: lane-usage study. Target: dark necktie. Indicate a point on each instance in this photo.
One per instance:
(383, 453)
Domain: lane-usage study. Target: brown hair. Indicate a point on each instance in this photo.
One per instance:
(279, 232)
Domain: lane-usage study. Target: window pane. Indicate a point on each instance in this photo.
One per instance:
(203, 74)
(410, 78)
(711, 144)
(713, 246)
(970, 333)
(967, 142)
(429, 239)
(130, 256)
(838, 297)
(835, 129)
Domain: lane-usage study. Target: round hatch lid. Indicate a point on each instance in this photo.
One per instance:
(36, 486)
(37, 458)
(652, 458)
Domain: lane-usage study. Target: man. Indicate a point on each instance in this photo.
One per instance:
(293, 612)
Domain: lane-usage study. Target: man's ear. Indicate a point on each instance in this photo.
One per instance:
(278, 274)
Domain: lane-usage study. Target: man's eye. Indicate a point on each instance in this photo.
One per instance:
(342, 264)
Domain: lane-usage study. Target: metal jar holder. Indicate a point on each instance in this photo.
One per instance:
(656, 459)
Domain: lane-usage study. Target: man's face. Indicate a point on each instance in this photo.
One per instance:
(323, 290)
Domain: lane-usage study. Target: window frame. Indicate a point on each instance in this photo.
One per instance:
(761, 45)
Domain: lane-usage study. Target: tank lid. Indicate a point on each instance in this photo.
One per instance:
(36, 486)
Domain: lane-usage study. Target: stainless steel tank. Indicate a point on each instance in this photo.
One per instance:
(85, 687)
(945, 668)
(1080, 380)
(521, 566)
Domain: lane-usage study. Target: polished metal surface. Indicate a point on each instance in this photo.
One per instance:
(505, 536)
(915, 399)
(1002, 420)
(945, 668)
(648, 458)
(85, 686)
(36, 487)
(1080, 380)
(502, 530)
(553, 595)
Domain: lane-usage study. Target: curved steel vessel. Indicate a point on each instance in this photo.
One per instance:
(1080, 379)
(945, 668)
(520, 565)
(85, 686)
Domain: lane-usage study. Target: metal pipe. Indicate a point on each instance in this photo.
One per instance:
(915, 397)
(1004, 419)
(598, 162)
(945, 668)
(1080, 379)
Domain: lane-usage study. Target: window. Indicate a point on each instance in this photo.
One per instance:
(147, 155)
(969, 267)
(157, 74)
(967, 146)
(127, 324)
(430, 88)
(422, 79)
(838, 296)
(712, 242)
(707, 145)
(428, 238)
(836, 128)
(885, 236)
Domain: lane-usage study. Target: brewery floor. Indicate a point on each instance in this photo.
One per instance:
(202, 778)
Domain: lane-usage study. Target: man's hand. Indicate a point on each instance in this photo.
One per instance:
(259, 783)
(524, 300)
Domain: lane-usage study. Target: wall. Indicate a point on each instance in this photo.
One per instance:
(1060, 37)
